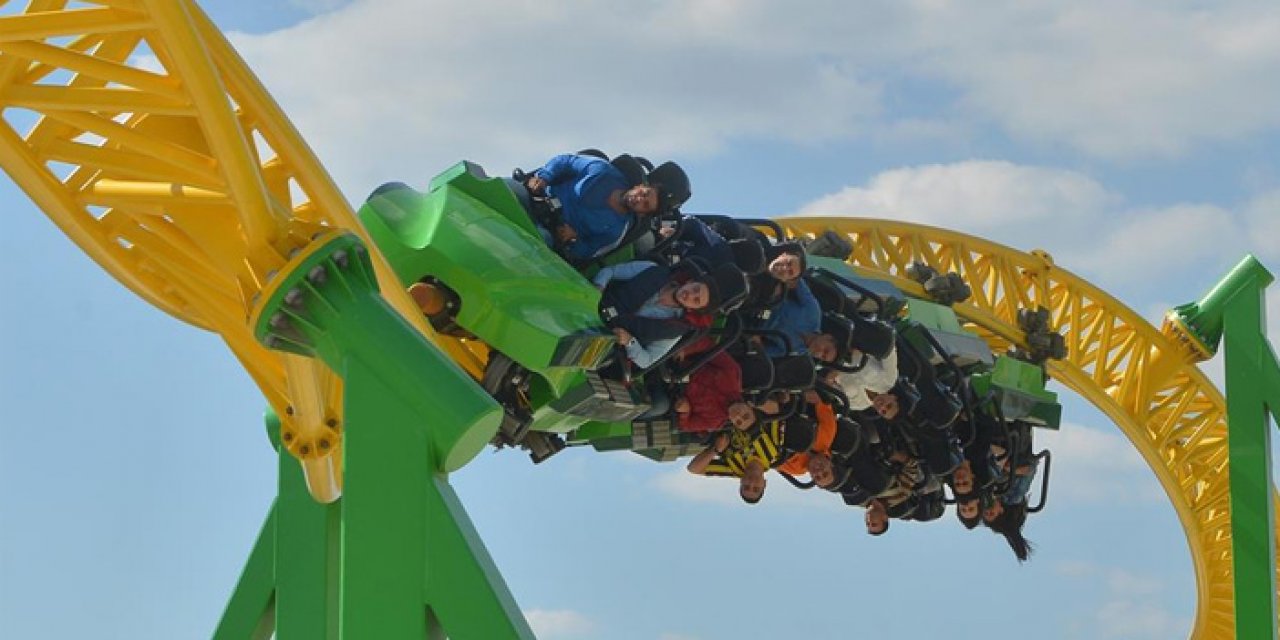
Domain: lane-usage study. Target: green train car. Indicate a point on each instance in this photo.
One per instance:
(469, 238)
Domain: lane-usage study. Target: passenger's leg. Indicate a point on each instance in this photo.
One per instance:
(659, 402)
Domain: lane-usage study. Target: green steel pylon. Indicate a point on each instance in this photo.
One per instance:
(396, 556)
(1233, 313)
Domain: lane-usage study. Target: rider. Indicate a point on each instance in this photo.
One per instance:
(646, 304)
(598, 203)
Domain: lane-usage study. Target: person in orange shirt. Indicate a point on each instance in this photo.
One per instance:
(816, 461)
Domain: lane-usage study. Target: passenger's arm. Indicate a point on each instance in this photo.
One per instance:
(557, 168)
(698, 465)
(809, 315)
(644, 355)
(622, 271)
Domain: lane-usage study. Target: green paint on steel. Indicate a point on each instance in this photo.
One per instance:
(1204, 320)
(396, 556)
(1233, 313)
(251, 611)
(471, 234)
(328, 307)
(933, 315)
(307, 539)
(1019, 388)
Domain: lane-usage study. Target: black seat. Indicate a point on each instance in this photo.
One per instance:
(848, 438)
(757, 372)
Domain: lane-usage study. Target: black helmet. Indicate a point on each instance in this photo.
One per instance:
(725, 285)
(672, 184)
(748, 255)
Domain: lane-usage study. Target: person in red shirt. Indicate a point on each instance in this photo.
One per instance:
(713, 397)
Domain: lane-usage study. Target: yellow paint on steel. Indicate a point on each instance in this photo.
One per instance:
(182, 178)
(1142, 379)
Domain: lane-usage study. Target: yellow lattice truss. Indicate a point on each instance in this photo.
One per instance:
(1145, 381)
(138, 129)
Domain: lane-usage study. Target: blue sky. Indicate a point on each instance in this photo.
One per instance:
(1135, 141)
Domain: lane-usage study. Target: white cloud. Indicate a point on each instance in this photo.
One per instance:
(559, 623)
(1093, 466)
(1160, 245)
(1262, 214)
(503, 83)
(1128, 609)
(1084, 225)
(432, 81)
(1133, 620)
(1117, 79)
(977, 195)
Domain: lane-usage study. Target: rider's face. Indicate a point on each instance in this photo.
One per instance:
(693, 295)
(785, 267)
(641, 199)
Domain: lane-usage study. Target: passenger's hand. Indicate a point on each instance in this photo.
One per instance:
(565, 234)
(683, 406)
(666, 232)
(722, 442)
(624, 337)
(811, 396)
(536, 185)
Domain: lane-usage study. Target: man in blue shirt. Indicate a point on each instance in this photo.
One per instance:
(598, 203)
(796, 316)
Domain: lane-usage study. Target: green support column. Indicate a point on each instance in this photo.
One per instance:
(1250, 364)
(1234, 312)
(251, 612)
(460, 582)
(404, 554)
(307, 539)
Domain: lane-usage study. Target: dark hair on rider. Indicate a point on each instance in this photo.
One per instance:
(880, 532)
(1009, 524)
(750, 500)
(969, 523)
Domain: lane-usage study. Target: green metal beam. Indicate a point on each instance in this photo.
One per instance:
(1233, 314)
(459, 584)
(1250, 362)
(306, 559)
(396, 557)
(251, 611)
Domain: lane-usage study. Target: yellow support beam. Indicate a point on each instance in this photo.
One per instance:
(38, 98)
(56, 24)
(105, 70)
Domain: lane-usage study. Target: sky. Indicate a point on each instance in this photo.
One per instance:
(1135, 141)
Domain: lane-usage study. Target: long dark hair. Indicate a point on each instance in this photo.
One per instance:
(1009, 524)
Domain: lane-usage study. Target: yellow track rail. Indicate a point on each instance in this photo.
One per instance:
(1142, 378)
(142, 134)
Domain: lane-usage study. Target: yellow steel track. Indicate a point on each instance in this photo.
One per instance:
(142, 134)
(1142, 378)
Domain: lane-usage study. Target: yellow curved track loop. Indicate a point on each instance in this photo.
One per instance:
(1144, 380)
(140, 132)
